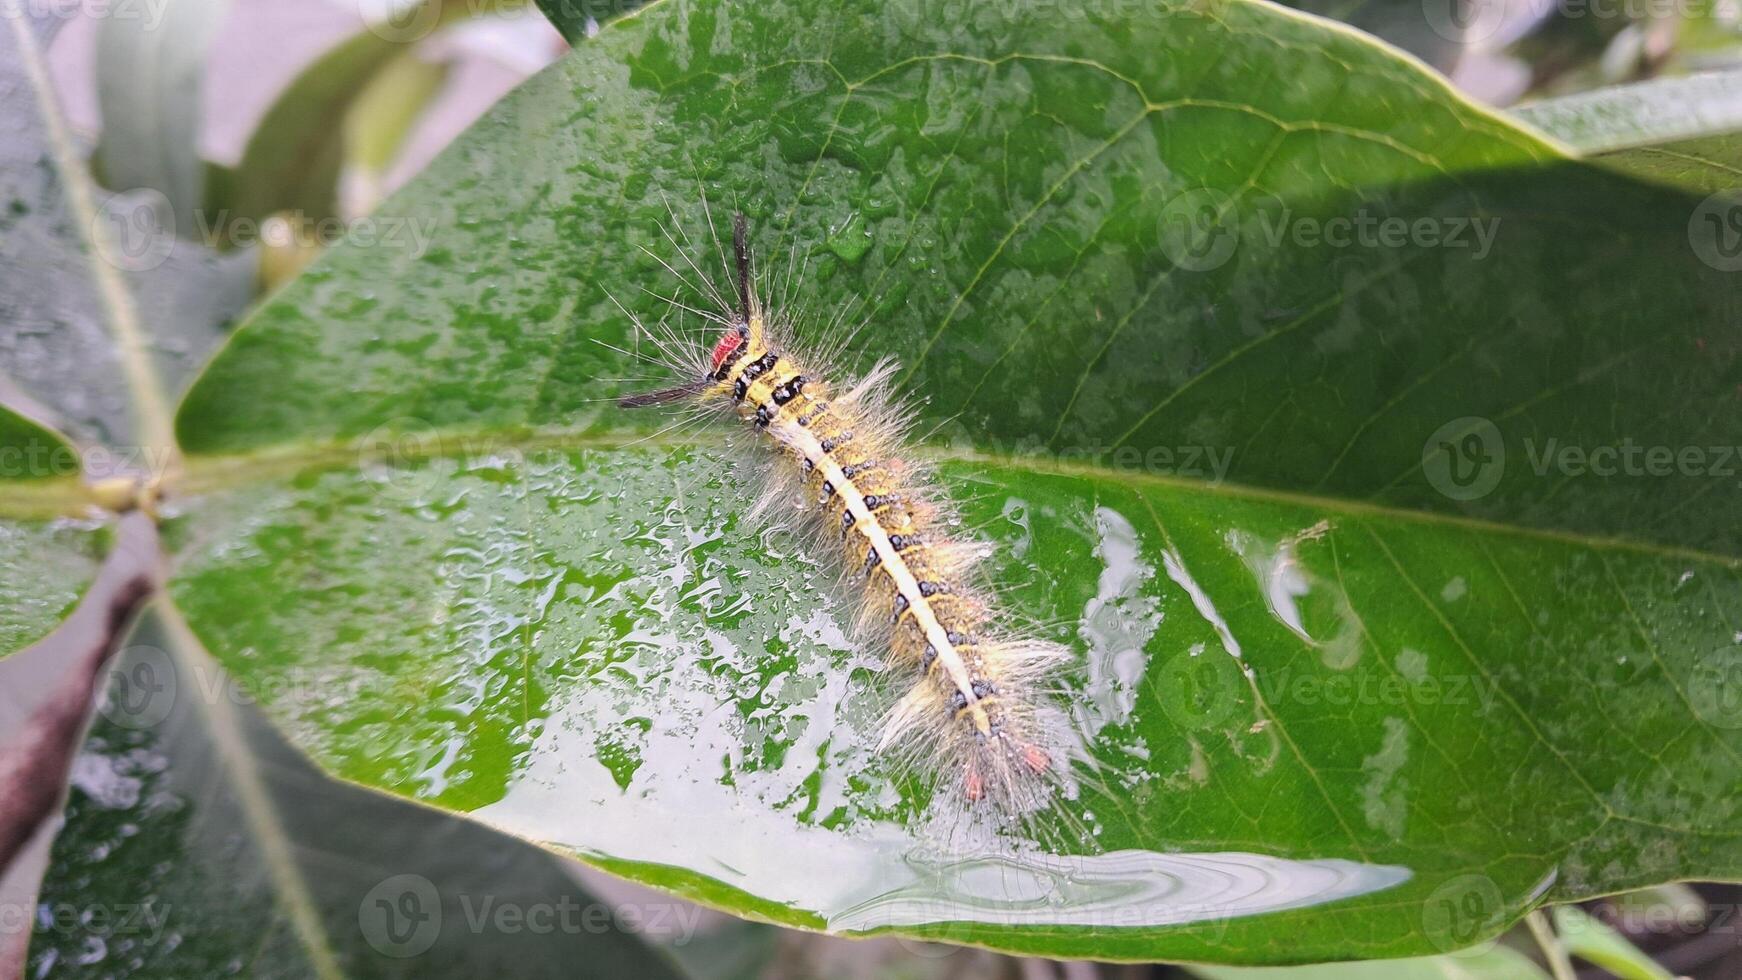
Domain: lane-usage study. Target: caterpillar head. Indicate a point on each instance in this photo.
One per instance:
(744, 337)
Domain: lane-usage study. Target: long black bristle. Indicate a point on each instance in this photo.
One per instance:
(646, 398)
(741, 250)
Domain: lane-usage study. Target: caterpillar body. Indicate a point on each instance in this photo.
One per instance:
(975, 709)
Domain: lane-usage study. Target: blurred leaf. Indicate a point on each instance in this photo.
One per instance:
(69, 332)
(1597, 944)
(45, 562)
(197, 844)
(378, 122)
(737, 951)
(44, 568)
(575, 20)
(1489, 962)
(409, 485)
(105, 310)
(35, 756)
(1428, 29)
(28, 451)
(1686, 132)
(293, 160)
(150, 71)
(1661, 905)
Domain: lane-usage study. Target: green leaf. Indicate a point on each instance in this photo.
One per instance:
(197, 843)
(1341, 705)
(575, 20)
(1598, 944)
(293, 160)
(45, 562)
(1491, 962)
(1686, 132)
(44, 568)
(30, 452)
(150, 70)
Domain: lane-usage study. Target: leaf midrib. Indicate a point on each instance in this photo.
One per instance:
(212, 473)
(121, 317)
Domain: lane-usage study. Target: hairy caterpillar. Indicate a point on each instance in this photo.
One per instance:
(975, 705)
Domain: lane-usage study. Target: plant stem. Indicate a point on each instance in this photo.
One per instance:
(1559, 963)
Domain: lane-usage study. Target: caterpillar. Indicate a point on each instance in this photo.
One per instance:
(975, 706)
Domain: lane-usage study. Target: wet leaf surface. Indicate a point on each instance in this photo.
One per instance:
(198, 843)
(1367, 665)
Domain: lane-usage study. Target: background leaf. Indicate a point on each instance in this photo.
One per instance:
(1682, 131)
(105, 311)
(37, 752)
(294, 159)
(1489, 963)
(150, 72)
(1598, 944)
(575, 20)
(102, 315)
(43, 707)
(198, 844)
(377, 124)
(1432, 37)
(45, 563)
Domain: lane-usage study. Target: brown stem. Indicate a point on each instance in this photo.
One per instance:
(34, 765)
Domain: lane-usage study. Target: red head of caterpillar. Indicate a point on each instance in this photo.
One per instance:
(974, 707)
(728, 345)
